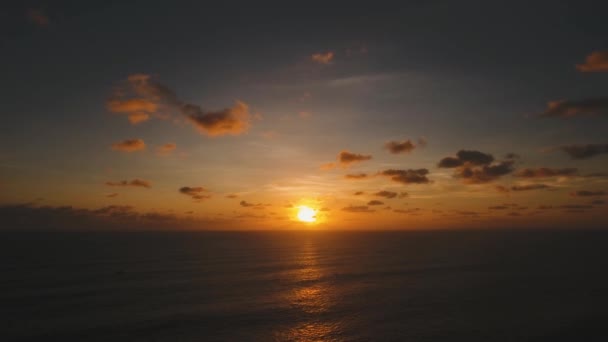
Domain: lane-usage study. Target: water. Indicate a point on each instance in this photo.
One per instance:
(304, 286)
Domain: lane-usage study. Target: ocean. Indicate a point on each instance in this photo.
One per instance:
(484, 285)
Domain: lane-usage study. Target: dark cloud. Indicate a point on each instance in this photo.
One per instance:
(544, 172)
(585, 107)
(498, 207)
(346, 159)
(386, 194)
(359, 193)
(502, 189)
(584, 151)
(358, 209)
(529, 187)
(405, 146)
(112, 195)
(251, 205)
(411, 211)
(598, 202)
(232, 196)
(357, 176)
(129, 145)
(134, 183)
(474, 167)
(575, 206)
(587, 193)
(597, 61)
(375, 202)
(409, 176)
(196, 193)
(24, 217)
(545, 207)
(464, 157)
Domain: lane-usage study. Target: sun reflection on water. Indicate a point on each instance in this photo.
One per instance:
(311, 298)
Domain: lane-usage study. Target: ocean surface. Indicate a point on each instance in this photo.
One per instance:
(305, 286)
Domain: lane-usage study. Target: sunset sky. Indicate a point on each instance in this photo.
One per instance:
(418, 115)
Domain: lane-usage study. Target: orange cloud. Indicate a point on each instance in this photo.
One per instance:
(135, 183)
(322, 58)
(405, 146)
(596, 62)
(129, 145)
(138, 110)
(166, 148)
(233, 121)
(38, 17)
(357, 176)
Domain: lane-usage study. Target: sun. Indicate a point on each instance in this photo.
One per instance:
(307, 214)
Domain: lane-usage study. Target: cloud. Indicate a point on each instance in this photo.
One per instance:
(23, 217)
(409, 176)
(572, 108)
(38, 17)
(112, 195)
(140, 96)
(356, 176)
(129, 145)
(138, 110)
(232, 196)
(358, 209)
(251, 205)
(529, 187)
(346, 159)
(134, 183)
(386, 194)
(166, 148)
(587, 193)
(584, 151)
(598, 202)
(502, 189)
(359, 193)
(196, 193)
(397, 147)
(322, 57)
(498, 207)
(475, 167)
(466, 157)
(375, 202)
(544, 172)
(233, 121)
(596, 62)
(411, 211)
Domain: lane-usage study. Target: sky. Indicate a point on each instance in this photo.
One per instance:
(131, 115)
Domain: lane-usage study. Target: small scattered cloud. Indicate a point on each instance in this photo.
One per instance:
(386, 194)
(501, 188)
(545, 172)
(499, 207)
(358, 209)
(166, 149)
(346, 159)
(137, 109)
(132, 183)
(573, 108)
(196, 193)
(357, 176)
(38, 17)
(323, 57)
(252, 205)
(397, 147)
(410, 176)
(375, 202)
(597, 61)
(474, 167)
(233, 121)
(112, 195)
(232, 196)
(587, 193)
(129, 145)
(584, 151)
(528, 187)
(359, 193)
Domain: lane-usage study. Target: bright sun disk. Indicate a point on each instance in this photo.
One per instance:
(307, 214)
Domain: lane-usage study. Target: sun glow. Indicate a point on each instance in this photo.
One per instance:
(307, 214)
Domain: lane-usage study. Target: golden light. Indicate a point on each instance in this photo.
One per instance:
(307, 214)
